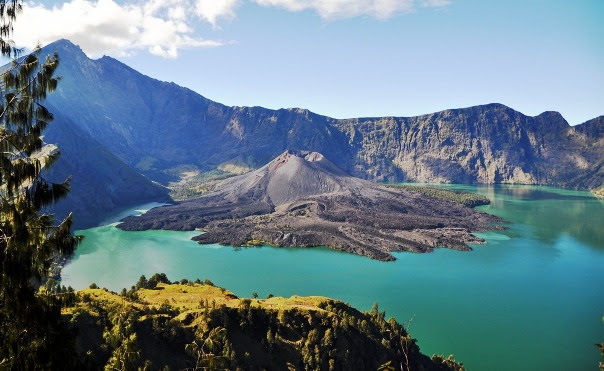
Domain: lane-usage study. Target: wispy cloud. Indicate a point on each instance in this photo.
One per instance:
(334, 9)
(435, 3)
(163, 27)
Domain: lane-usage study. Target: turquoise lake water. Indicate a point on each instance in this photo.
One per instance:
(530, 299)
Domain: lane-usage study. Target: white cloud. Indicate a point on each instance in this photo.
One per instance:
(106, 27)
(333, 9)
(163, 27)
(211, 10)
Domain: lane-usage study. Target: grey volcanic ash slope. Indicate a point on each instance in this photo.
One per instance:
(305, 200)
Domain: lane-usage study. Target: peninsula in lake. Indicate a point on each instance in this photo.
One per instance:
(303, 199)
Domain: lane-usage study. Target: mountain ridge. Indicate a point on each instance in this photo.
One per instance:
(157, 127)
(144, 120)
(68, 45)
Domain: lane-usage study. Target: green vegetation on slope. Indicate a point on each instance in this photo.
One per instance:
(194, 325)
(468, 199)
(193, 183)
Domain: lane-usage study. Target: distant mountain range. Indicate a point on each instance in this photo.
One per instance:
(139, 125)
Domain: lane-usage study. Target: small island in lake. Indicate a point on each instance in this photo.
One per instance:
(303, 200)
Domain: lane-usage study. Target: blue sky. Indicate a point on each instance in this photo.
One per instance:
(413, 57)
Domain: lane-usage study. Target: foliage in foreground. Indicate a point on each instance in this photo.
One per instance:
(189, 325)
(31, 334)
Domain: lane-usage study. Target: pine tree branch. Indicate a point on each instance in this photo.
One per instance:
(15, 65)
(18, 95)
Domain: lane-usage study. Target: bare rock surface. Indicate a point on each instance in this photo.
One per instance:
(302, 199)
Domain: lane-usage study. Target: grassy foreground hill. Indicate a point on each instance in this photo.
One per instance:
(192, 325)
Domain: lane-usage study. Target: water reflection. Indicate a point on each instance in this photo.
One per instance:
(558, 212)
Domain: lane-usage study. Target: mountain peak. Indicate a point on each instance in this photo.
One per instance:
(314, 157)
(64, 42)
(310, 156)
(552, 120)
(63, 45)
(295, 160)
(494, 105)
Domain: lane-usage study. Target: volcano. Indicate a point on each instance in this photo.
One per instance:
(302, 199)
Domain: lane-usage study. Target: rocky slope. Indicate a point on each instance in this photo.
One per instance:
(100, 181)
(483, 144)
(156, 126)
(186, 325)
(303, 199)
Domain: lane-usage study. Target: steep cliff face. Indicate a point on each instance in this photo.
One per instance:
(155, 126)
(483, 144)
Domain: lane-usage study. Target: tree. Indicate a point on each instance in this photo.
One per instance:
(122, 338)
(142, 283)
(8, 13)
(206, 349)
(30, 320)
(157, 278)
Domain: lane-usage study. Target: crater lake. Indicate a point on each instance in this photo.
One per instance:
(531, 298)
